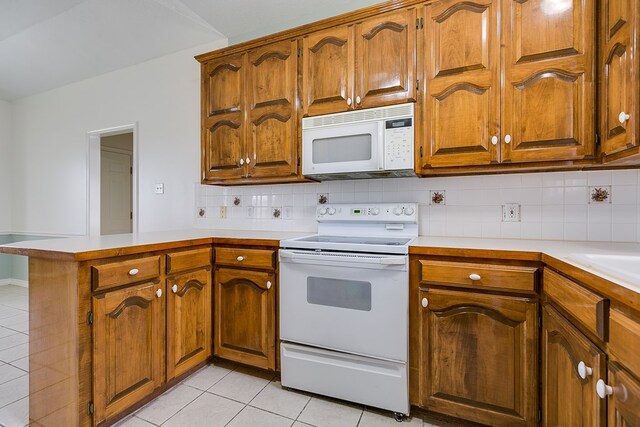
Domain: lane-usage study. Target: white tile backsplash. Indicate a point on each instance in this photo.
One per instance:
(555, 205)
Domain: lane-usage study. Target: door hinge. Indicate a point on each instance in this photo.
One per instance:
(131, 170)
(421, 151)
(90, 408)
(90, 318)
(299, 52)
(130, 215)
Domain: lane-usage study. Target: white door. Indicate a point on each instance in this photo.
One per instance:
(115, 192)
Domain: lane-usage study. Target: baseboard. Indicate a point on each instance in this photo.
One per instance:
(16, 282)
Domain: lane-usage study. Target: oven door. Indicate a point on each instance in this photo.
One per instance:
(355, 303)
(356, 147)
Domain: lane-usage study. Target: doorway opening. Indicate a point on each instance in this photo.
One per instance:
(112, 183)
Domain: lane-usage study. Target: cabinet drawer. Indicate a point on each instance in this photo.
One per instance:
(478, 276)
(251, 258)
(188, 260)
(587, 307)
(125, 272)
(624, 340)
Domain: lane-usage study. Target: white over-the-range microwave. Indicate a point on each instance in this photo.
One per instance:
(372, 143)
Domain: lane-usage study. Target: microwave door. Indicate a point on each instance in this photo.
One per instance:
(343, 148)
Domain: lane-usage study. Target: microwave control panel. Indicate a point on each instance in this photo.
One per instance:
(398, 144)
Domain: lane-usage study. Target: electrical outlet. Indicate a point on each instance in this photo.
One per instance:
(511, 212)
(223, 212)
(159, 188)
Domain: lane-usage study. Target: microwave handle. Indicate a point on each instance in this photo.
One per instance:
(381, 145)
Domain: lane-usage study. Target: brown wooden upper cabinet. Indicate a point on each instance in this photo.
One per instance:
(542, 110)
(249, 117)
(368, 64)
(619, 98)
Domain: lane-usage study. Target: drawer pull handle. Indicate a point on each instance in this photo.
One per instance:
(425, 302)
(603, 389)
(584, 371)
(268, 284)
(240, 258)
(133, 271)
(159, 293)
(174, 288)
(474, 277)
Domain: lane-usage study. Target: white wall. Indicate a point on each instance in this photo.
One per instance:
(50, 144)
(555, 205)
(5, 167)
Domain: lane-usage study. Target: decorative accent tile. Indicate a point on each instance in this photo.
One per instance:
(437, 197)
(323, 199)
(276, 213)
(237, 200)
(600, 194)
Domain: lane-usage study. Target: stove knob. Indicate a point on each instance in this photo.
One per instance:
(331, 211)
(322, 211)
(397, 211)
(409, 210)
(375, 211)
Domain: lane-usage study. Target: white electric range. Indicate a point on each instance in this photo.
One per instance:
(344, 303)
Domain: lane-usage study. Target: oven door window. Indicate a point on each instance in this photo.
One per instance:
(349, 294)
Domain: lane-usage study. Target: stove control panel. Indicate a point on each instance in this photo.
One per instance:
(378, 212)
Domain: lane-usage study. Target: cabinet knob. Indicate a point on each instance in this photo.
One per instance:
(623, 117)
(240, 258)
(603, 389)
(248, 160)
(133, 272)
(358, 100)
(268, 284)
(425, 302)
(494, 140)
(584, 371)
(159, 293)
(349, 102)
(507, 139)
(241, 162)
(174, 288)
(474, 277)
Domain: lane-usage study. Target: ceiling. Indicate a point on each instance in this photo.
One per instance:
(46, 44)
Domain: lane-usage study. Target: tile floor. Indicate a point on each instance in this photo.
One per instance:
(220, 394)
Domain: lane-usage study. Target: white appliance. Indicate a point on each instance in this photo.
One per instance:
(344, 305)
(372, 143)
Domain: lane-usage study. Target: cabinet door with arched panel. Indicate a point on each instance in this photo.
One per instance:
(461, 74)
(223, 130)
(548, 73)
(272, 82)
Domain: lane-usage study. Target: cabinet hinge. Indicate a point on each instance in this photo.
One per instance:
(417, 84)
(539, 415)
(419, 23)
(90, 318)
(421, 151)
(597, 139)
(299, 52)
(298, 161)
(90, 408)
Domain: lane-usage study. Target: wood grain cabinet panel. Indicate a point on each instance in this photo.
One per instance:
(619, 99)
(223, 128)
(479, 356)
(461, 73)
(128, 347)
(328, 71)
(624, 403)
(548, 92)
(189, 323)
(567, 398)
(244, 306)
(272, 82)
(386, 59)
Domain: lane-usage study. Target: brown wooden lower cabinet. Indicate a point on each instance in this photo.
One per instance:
(479, 356)
(571, 366)
(624, 403)
(128, 347)
(245, 320)
(188, 321)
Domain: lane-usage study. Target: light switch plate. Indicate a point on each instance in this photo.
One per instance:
(511, 212)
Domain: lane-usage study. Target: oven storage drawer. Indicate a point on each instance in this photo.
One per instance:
(373, 382)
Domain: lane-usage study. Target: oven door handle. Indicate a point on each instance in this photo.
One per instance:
(319, 257)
